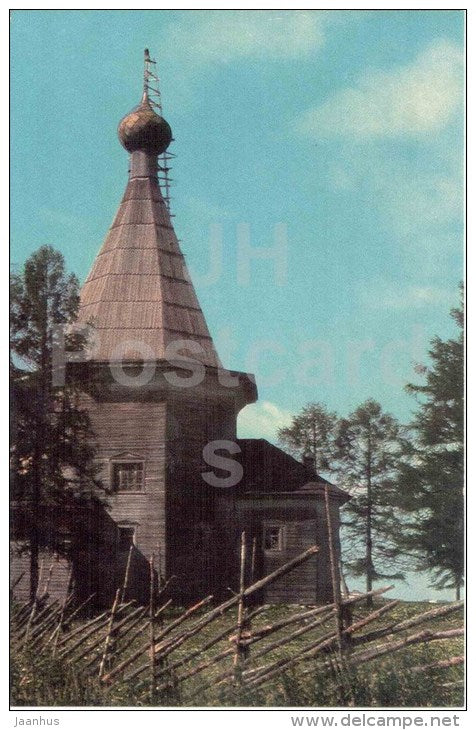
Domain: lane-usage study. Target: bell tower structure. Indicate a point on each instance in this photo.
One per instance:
(155, 388)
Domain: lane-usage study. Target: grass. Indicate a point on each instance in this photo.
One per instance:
(39, 680)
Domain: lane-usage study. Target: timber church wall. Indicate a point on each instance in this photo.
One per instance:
(150, 439)
(133, 432)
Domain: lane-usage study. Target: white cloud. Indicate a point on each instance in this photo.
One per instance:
(416, 99)
(417, 203)
(389, 295)
(422, 200)
(225, 36)
(262, 420)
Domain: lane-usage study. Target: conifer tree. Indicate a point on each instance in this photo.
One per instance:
(432, 473)
(367, 449)
(311, 433)
(50, 436)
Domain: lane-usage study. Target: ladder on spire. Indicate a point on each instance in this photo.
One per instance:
(151, 86)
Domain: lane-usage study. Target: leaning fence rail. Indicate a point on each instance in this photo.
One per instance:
(227, 646)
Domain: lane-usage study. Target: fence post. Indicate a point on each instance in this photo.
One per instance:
(152, 630)
(126, 574)
(241, 610)
(102, 666)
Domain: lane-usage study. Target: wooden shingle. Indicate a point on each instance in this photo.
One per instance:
(139, 288)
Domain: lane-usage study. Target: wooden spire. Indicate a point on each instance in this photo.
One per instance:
(138, 295)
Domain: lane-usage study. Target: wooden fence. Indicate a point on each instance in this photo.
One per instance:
(160, 650)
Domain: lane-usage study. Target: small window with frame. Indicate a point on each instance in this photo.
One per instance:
(127, 476)
(273, 541)
(126, 537)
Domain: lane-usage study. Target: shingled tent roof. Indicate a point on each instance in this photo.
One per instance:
(139, 289)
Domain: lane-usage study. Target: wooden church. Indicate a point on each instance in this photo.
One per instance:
(161, 403)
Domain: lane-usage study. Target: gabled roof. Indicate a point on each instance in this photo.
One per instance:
(268, 469)
(139, 289)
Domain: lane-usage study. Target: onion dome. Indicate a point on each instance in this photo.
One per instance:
(143, 129)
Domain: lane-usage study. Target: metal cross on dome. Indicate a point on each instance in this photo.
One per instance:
(152, 89)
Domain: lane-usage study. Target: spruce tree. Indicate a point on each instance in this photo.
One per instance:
(432, 473)
(51, 448)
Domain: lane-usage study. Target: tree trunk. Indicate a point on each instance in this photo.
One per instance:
(37, 470)
(34, 564)
(314, 446)
(368, 527)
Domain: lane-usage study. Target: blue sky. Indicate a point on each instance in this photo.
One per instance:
(345, 128)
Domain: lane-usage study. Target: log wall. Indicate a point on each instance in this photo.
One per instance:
(20, 563)
(303, 522)
(193, 533)
(135, 430)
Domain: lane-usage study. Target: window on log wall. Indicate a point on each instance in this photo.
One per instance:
(273, 541)
(127, 476)
(126, 537)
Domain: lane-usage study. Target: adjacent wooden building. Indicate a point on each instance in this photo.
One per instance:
(164, 409)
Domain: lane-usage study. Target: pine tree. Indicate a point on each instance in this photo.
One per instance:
(368, 452)
(432, 474)
(311, 433)
(51, 435)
